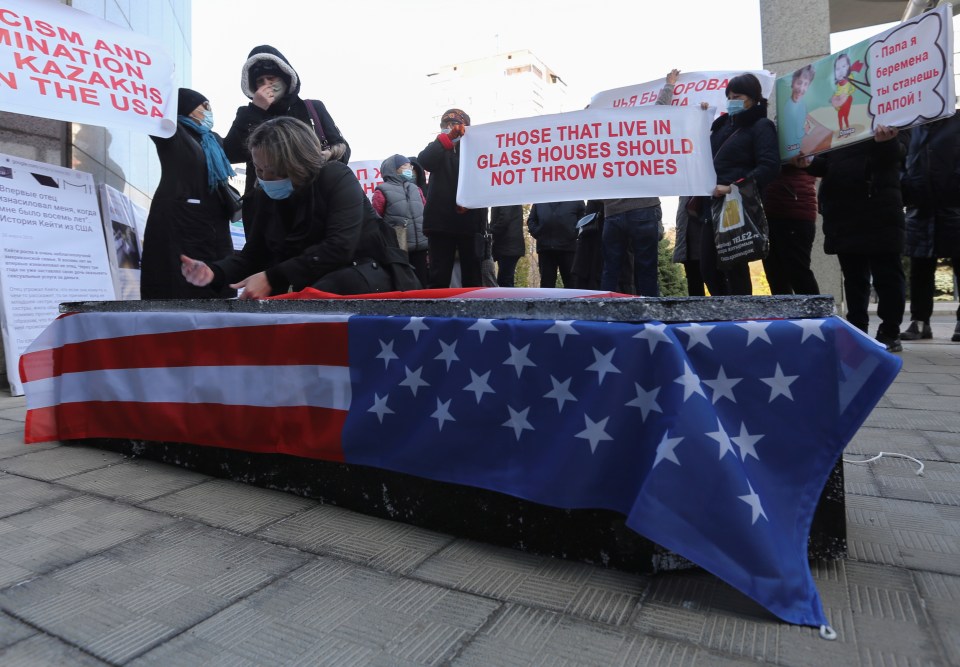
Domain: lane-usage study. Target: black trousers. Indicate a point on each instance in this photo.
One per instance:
(726, 282)
(886, 273)
(550, 262)
(922, 273)
(443, 250)
(788, 264)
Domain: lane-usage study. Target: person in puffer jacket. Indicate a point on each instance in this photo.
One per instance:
(399, 201)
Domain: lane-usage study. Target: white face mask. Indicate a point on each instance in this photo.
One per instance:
(279, 88)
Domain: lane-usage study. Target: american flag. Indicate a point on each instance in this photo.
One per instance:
(713, 439)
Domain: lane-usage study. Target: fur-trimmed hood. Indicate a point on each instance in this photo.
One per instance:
(268, 57)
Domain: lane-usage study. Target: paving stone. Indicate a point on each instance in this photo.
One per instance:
(59, 462)
(42, 651)
(18, 494)
(941, 599)
(11, 444)
(932, 420)
(231, 505)
(378, 543)
(135, 480)
(13, 631)
(64, 532)
(16, 413)
(921, 402)
(128, 599)
(581, 590)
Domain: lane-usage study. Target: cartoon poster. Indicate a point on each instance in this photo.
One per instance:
(901, 77)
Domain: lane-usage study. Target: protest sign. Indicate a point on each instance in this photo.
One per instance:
(691, 89)
(123, 244)
(51, 250)
(593, 154)
(59, 62)
(901, 77)
(368, 173)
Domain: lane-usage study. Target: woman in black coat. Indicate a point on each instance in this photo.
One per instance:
(310, 224)
(190, 212)
(863, 226)
(744, 145)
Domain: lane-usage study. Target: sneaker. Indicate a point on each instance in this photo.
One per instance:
(956, 334)
(892, 344)
(915, 332)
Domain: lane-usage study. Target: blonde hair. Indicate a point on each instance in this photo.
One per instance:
(291, 147)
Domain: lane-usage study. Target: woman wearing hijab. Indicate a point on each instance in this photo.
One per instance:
(191, 209)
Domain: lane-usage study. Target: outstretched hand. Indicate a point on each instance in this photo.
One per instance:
(254, 287)
(195, 272)
(672, 76)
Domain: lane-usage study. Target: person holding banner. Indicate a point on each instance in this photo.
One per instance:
(311, 225)
(451, 230)
(745, 146)
(863, 225)
(273, 87)
(190, 212)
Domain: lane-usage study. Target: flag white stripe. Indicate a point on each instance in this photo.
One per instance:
(83, 327)
(260, 386)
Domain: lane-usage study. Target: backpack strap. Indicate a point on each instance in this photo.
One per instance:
(317, 125)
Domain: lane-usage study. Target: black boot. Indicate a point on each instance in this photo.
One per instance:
(956, 334)
(917, 330)
(892, 343)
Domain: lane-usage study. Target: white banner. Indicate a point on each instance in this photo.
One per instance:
(691, 89)
(593, 154)
(51, 251)
(368, 173)
(123, 244)
(61, 63)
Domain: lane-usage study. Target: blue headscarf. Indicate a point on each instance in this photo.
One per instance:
(218, 166)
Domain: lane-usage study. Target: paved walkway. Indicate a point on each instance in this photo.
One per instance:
(112, 561)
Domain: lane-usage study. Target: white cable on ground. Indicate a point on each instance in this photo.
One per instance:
(882, 454)
(828, 633)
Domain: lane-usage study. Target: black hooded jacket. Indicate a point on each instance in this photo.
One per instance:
(745, 146)
(250, 116)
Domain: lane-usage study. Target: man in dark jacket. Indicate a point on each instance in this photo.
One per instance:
(790, 203)
(451, 230)
(506, 225)
(931, 191)
(273, 87)
(863, 226)
(554, 226)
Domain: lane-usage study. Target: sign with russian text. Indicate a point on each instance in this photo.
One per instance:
(52, 250)
(900, 78)
(592, 154)
(691, 89)
(368, 173)
(61, 63)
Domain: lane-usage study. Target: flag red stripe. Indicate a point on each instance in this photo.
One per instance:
(312, 344)
(299, 431)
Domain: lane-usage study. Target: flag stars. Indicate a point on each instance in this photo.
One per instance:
(442, 414)
(723, 440)
(780, 384)
(646, 401)
(665, 450)
(448, 353)
(479, 385)
(690, 382)
(518, 421)
(387, 353)
(722, 386)
(560, 392)
(603, 364)
(561, 329)
(380, 407)
(594, 432)
(413, 380)
(416, 325)
(653, 334)
(482, 327)
(753, 500)
(756, 331)
(810, 328)
(518, 358)
(698, 334)
(746, 443)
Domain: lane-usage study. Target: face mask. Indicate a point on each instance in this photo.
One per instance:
(445, 130)
(207, 121)
(279, 88)
(277, 189)
(407, 174)
(734, 107)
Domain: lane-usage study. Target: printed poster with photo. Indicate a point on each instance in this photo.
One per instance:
(901, 77)
(123, 242)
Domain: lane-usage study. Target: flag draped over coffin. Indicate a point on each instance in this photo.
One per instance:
(714, 440)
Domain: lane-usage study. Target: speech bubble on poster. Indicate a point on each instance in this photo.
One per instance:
(907, 67)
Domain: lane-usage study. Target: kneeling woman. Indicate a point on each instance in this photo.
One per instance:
(310, 224)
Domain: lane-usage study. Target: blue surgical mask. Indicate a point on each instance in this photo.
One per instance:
(445, 130)
(280, 189)
(734, 107)
(407, 174)
(207, 121)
